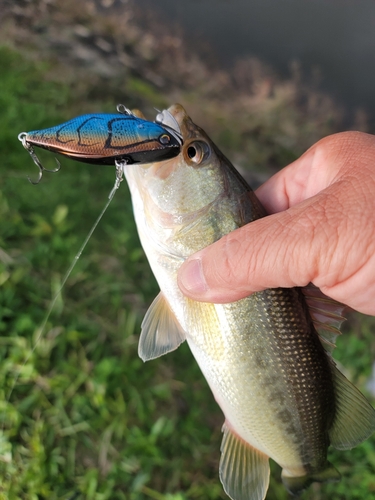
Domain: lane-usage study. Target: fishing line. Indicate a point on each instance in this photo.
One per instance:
(119, 177)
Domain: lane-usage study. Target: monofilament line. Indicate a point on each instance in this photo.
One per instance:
(119, 177)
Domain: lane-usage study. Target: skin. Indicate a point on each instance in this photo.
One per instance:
(321, 230)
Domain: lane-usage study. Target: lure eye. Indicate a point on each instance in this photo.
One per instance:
(164, 139)
(197, 152)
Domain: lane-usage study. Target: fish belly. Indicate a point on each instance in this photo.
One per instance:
(251, 409)
(269, 394)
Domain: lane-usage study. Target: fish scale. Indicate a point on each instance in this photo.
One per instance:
(245, 331)
(309, 373)
(266, 357)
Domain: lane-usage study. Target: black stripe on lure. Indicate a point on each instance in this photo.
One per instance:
(107, 139)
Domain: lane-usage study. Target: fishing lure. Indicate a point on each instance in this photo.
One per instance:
(105, 139)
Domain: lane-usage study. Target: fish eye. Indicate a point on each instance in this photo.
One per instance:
(197, 152)
(164, 139)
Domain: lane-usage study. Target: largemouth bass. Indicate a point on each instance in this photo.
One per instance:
(266, 357)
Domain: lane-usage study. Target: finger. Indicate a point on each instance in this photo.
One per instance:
(268, 253)
(314, 171)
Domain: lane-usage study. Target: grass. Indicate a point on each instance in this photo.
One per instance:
(82, 416)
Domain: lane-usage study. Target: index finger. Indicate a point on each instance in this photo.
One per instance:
(314, 171)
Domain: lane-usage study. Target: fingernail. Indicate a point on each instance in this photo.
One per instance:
(192, 277)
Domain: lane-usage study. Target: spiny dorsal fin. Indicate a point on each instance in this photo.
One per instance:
(326, 314)
(354, 418)
(244, 471)
(161, 332)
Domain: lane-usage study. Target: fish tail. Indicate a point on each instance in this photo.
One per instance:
(295, 485)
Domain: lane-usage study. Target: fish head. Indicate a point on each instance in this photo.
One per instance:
(187, 202)
(186, 184)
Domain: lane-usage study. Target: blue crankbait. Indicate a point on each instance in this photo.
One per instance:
(106, 139)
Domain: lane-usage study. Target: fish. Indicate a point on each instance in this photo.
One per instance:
(267, 357)
(104, 138)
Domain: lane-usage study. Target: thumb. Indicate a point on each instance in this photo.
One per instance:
(268, 253)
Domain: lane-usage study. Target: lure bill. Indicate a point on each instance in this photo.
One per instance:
(105, 139)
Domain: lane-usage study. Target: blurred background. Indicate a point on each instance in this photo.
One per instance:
(333, 42)
(81, 416)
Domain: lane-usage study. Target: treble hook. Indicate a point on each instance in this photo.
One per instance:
(30, 150)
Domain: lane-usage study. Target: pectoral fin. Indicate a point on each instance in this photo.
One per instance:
(161, 332)
(244, 471)
(354, 416)
(327, 315)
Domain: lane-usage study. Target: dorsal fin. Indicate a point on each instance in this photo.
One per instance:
(354, 419)
(244, 471)
(326, 314)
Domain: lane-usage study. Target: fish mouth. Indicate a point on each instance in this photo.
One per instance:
(175, 119)
(167, 120)
(172, 117)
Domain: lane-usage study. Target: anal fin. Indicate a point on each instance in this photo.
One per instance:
(161, 332)
(354, 416)
(244, 471)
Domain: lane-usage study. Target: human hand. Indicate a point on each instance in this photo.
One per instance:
(322, 230)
